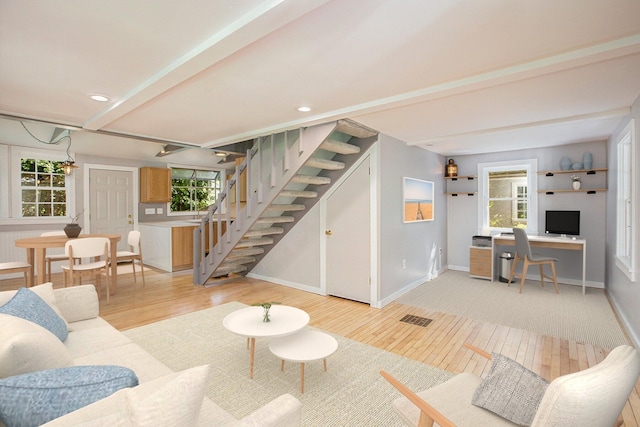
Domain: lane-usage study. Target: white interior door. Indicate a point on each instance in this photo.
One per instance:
(111, 203)
(348, 237)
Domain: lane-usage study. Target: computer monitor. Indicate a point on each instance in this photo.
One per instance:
(562, 222)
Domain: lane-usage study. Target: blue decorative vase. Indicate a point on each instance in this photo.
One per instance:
(587, 161)
(565, 163)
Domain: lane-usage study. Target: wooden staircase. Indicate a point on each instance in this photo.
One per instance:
(286, 174)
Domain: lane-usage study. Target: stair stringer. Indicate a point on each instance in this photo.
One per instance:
(298, 153)
(349, 160)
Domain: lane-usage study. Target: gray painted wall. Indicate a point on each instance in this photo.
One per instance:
(412, 242)
(463, 209)
(624, 294)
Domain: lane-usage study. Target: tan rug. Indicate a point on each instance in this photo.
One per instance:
(350, 393)
(569, 315)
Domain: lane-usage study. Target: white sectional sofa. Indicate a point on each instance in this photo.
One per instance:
(93, 341)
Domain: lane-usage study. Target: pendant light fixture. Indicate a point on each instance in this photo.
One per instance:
(69, 165)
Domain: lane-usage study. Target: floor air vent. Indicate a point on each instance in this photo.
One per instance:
(416, 320)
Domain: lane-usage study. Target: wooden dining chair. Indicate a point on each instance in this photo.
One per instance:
(133, 239)
(49, 258)
(89, 247)
(523, 253)
(16, 267)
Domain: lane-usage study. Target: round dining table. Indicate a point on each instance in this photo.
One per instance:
(37, 250)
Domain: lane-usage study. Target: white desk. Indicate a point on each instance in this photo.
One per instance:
(247, 322)
(566, 243)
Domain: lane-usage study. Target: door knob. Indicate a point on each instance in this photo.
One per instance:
(328, 232)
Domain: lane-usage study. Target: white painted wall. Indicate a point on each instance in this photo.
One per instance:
(624, 294)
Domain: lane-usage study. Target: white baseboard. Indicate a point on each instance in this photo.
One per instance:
(635, 339)
(287, 283)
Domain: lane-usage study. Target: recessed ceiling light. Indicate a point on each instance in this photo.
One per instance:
(99, 98)
(304, 109)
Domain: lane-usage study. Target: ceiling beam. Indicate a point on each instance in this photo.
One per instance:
(619, 112)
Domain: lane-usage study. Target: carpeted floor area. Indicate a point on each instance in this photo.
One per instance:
(569, 315)
(351, 392)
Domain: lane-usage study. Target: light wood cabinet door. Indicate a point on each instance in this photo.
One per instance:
(182, 245)
(243, 184)
(480, 262)
(182, 248)
(155, 185)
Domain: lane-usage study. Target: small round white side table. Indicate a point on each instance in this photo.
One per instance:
(247, 322)
(304, 346)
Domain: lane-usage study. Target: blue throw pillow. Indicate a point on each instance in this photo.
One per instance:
(39, 397)
(28, 305)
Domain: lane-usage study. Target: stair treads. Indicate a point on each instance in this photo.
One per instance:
(298, 193)
(315, 162)
(339, 147)
(355, 129)
(274, 219)
(238, 261)
(254, 250)
(277, 207)
(308, 179)
(228, 269)
(264, 232)
(247, 243)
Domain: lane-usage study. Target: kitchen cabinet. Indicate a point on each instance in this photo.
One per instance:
(243, 184)
(155, 185)
(168, 245)
(480, 262)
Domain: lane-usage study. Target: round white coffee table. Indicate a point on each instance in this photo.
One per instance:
(247, 322)
(304, 346)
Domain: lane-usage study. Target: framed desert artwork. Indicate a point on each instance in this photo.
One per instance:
(417, 199)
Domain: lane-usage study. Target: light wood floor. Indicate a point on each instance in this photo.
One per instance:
(439, 344)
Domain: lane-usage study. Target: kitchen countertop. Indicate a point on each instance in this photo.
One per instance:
(177, 223)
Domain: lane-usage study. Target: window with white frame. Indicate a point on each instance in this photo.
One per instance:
(626, 226)
(507, 196)
(519, 204)
(193, 190)
(41, 189)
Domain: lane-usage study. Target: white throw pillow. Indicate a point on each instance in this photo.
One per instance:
(27, 347)
(177, 403)
(44, 291)
(168, 401)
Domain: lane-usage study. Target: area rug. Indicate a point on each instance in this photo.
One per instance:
(350, 393)
(568, 315)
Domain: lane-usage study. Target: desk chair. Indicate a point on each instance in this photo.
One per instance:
(16, 267)
(523, 252)
(133, 239)
(592, 397)
(90, 247)
(49, 258)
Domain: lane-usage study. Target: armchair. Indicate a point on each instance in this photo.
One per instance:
(592, 397)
